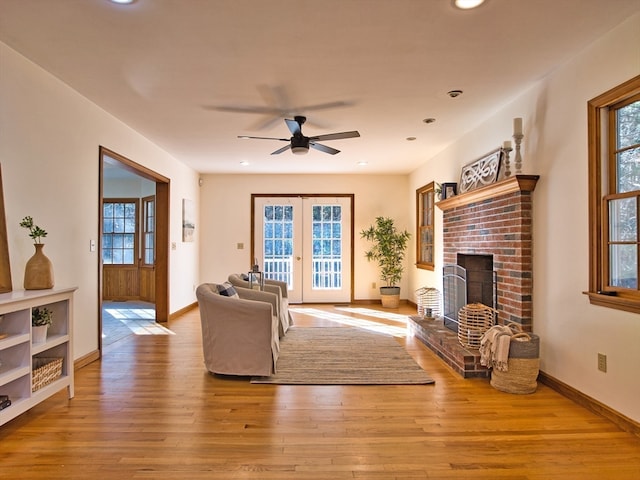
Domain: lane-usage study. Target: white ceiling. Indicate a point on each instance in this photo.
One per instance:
(164, 67)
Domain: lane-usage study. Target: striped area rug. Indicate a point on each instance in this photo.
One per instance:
(343, 356)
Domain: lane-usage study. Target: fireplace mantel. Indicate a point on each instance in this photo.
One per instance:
(517, 183)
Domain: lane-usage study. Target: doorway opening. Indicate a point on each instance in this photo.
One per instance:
(133, 243)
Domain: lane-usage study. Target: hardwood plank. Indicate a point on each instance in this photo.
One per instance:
(149, 410)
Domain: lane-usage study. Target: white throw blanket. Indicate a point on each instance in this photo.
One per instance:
(494, 347)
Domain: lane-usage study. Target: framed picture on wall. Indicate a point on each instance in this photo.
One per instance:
(188, 220)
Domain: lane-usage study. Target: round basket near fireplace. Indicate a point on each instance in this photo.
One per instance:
(474, 319)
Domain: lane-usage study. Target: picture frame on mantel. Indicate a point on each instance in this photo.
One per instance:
(449, 189)
(481, 172)
(5, 265)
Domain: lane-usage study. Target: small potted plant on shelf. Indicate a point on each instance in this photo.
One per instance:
(41, 319)
(388, 249)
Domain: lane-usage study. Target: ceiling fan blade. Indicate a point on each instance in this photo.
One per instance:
(324, 106)
(294, 126)
(280, 150)
(336, 136)
(260, 110)
(264, 138)
(323, 148)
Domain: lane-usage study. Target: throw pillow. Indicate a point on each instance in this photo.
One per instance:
(227, 290)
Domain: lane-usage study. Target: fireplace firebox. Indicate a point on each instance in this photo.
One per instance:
(471, 280)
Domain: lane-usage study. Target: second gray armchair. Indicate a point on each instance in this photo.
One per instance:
(272, 286)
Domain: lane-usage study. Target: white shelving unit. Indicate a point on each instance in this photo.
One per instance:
(17, 350)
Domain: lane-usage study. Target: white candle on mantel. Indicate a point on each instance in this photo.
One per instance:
(517, 126)
(506, 144)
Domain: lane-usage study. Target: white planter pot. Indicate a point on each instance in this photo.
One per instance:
(39, 333)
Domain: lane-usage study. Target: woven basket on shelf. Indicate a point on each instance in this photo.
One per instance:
(474, 320)
(523, 364)
(45, 371)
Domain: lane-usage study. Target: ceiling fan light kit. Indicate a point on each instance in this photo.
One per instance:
(467, 4)
(299, 144)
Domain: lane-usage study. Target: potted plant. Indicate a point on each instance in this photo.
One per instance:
(41, 319)
(388, 249)
(38, 273)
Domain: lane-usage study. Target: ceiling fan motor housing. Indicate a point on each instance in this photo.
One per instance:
(299, 144)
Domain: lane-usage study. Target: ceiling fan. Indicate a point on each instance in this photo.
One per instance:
(299, 144)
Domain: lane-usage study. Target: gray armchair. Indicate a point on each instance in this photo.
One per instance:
(239, 333)
(272, 286)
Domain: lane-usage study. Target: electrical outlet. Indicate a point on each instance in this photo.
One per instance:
(373, 285)
(240, 246)
(602, 362)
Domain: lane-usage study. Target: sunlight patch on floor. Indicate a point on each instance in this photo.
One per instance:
(394, 317)
(129, 313)
(350, 321)
(124, 320)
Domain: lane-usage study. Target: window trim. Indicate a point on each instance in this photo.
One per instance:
(598, 147)
(420, 193)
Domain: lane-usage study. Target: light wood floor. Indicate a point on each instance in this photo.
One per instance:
(149, 410)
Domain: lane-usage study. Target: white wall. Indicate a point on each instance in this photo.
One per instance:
(226, 218)
(49, 140)
(572, 331)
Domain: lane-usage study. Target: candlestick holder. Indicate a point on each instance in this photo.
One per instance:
(507, 164)
(517, 137)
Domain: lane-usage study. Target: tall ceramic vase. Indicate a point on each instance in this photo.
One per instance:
(38, 273)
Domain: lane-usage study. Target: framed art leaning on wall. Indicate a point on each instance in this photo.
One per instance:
(481, 172)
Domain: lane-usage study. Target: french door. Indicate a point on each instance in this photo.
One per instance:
(306, 241)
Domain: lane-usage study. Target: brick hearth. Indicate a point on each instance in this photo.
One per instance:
(444, 343)
(494, 220)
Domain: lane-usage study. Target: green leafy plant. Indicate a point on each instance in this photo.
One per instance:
(35, 232)
(388, 249)
(41, 316)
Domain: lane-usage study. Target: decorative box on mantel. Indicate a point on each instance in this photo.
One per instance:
(496, 221)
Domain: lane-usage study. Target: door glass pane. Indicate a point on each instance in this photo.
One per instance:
(278, 243)
(327, 247)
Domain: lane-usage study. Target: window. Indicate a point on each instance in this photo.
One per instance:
(424, 206)
(119, 232)
(614, 197)
(148, 230)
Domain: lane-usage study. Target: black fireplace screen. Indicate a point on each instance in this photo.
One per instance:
(472, 280)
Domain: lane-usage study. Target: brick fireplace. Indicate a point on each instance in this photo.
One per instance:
(495, 221)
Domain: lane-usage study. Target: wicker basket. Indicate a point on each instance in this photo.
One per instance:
(474, 320)
(45, 371)
(428, 301)
(523, 365)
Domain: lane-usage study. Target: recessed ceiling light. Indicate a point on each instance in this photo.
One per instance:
(122, 2)
(244, 163)
(363, 163)
(410, 139)
(467, 4)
